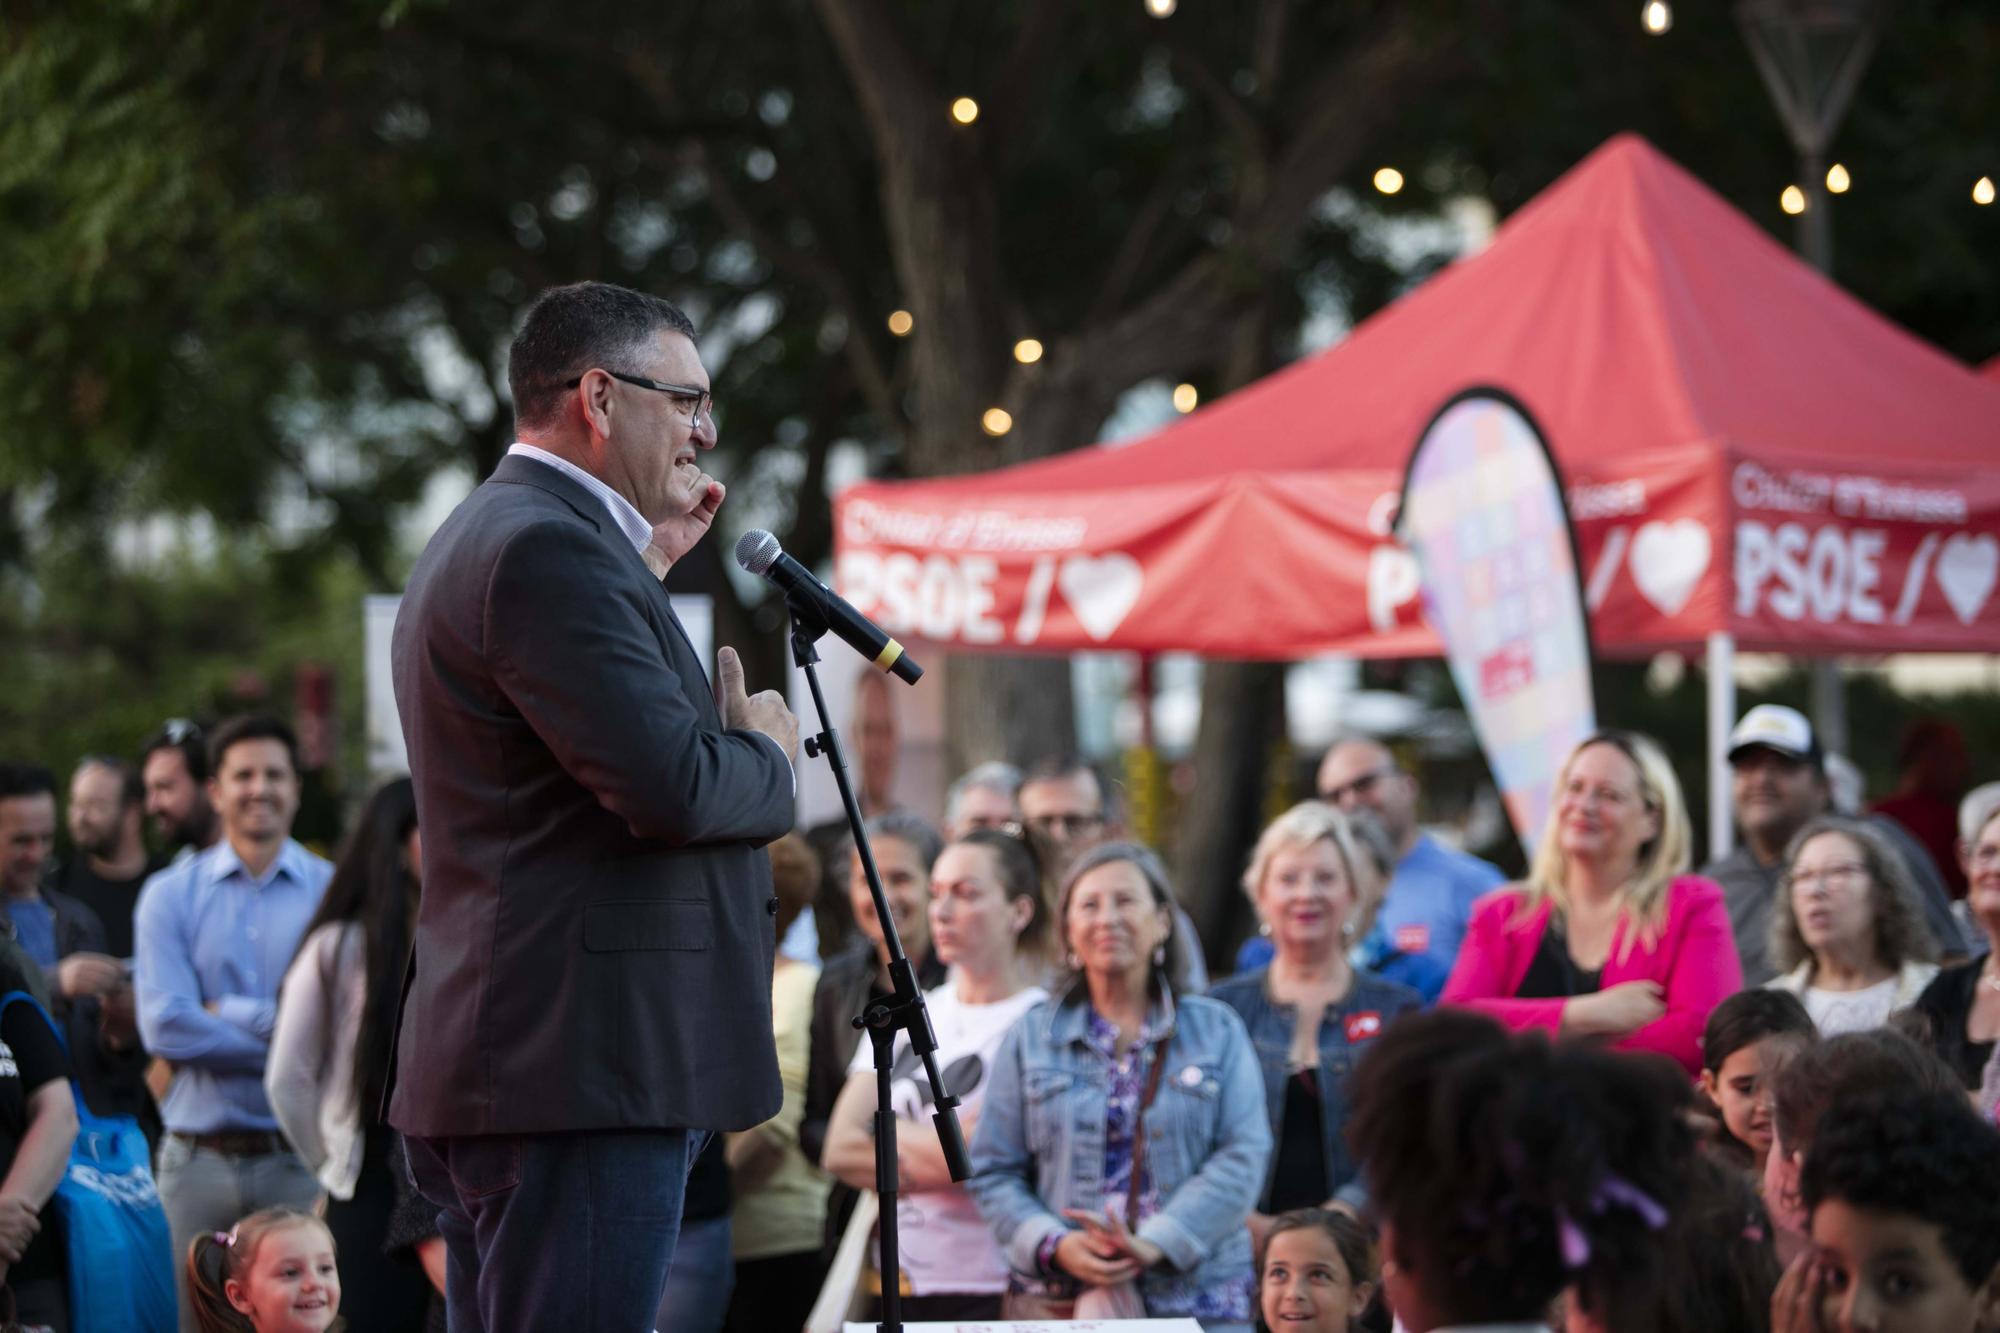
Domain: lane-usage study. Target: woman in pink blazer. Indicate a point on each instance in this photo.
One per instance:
(1609, 936)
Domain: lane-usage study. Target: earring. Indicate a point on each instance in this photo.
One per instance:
(1347, 929)
(1159, 955)
(1264, 929)
(1074, 963)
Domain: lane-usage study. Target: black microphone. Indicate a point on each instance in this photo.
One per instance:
(758, 551)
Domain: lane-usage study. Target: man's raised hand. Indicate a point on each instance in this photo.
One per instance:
(694, 498)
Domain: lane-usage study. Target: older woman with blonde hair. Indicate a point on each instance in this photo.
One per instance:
(1609, 936)
(1310, 1012)
(1848, 931)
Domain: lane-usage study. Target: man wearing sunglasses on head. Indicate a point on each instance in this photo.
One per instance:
(589, 996)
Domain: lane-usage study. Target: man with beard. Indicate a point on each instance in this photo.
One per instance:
(173, 768)
(60, 935)
(110, 864)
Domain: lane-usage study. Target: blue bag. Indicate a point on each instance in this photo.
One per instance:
(116, 1241)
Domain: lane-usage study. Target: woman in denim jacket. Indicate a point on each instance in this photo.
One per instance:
(1056, 1162)
(1310, 1013)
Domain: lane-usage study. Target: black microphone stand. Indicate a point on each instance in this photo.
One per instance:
(902, 1010)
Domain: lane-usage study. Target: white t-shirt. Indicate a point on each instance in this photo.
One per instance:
(944, 1245)
(1837, 1011)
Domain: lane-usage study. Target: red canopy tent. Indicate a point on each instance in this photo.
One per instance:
(1753, 457)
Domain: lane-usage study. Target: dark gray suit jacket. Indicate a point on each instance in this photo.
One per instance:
(593, 949)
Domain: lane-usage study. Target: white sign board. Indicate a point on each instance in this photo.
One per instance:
(386, 755)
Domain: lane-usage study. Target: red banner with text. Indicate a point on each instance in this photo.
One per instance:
(1788, 557)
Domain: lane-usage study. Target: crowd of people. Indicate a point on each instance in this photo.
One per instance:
(1613, 1094)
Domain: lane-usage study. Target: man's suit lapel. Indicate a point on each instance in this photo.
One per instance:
(681, 655)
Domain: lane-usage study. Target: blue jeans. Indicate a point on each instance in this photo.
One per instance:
(568, 1231)
(700, 1281)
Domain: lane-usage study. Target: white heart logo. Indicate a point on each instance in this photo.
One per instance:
(1102, 590)
(1965, 570)
(1668, 560)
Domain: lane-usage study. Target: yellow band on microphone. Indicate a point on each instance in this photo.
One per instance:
(887, 658)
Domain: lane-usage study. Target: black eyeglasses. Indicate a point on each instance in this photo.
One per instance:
(1360, 788)
(1064, 825)
(704, 401)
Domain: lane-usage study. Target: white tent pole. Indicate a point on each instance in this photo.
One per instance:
(1721, 718)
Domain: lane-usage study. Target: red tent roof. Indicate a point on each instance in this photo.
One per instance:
(1654, 333)
(1631, 308)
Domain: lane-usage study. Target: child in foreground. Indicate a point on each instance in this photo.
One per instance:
(1315, 1275)
(273, 1272)
(1902, 1192)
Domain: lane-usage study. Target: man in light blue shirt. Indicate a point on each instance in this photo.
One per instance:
(1430, 897)
(213, 937)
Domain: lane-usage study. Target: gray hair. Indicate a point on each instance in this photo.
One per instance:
(1976, 811)
(1901, 934)
(584, 326)
(993, 775)
(1172, 977)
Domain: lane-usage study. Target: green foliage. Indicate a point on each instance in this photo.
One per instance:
(260, 263)
(100, 652)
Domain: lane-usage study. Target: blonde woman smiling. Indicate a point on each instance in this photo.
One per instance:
(1609, 936)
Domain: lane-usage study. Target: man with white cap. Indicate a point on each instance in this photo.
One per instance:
(1778, 782)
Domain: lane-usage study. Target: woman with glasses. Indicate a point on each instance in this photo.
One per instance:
(1848, 930)
(1609, 936)
(1963, 1004)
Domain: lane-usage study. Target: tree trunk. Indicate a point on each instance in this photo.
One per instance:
(1242, 717)
(1242, 713)
(1014, 708)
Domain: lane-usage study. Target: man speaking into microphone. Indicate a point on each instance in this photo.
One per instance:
(589, 991)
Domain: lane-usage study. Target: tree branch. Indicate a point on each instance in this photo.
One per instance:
(1024, 76)
(1137, 243)
(1348, 107)
(896, 94)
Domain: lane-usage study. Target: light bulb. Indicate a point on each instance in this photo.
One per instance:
(965, 111)
(901, 322)
(1982, 190)
(1388, 180)
(1160, 9)
(1837, 179)
(1793, 200)
(1185, 398)
(996, 421)
(1027, 351)
(1657, 16)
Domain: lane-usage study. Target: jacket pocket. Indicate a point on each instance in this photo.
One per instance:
(683, 924)
(1047, 1097)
